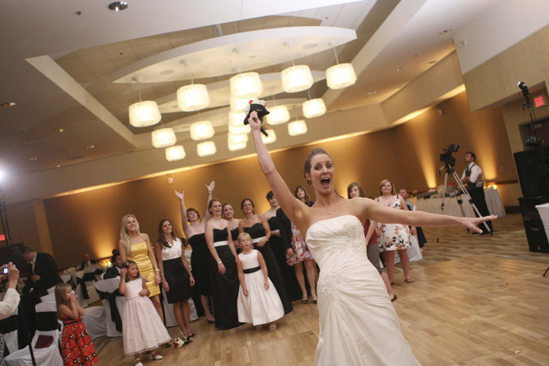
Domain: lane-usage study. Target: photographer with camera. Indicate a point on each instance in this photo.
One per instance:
(472, 177)
(11, 299)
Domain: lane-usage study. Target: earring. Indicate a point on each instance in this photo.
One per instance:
(309, 182)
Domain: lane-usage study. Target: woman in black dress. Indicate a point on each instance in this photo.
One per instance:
(228, 214)
(282, 247)
(258, 228)
(223, 272)
(194, 231)
(177, 278)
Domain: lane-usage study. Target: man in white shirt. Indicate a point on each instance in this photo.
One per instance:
(87, 262)
(472, 178)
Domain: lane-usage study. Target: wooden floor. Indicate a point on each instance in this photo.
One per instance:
(476, 301)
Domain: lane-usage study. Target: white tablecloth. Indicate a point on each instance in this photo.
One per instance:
(544, 214)
(493, 201)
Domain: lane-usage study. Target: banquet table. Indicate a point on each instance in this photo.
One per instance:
(493, 201)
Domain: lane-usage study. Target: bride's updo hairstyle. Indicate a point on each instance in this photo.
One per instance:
(307, 166)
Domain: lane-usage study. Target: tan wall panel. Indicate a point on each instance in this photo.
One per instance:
(22, 224)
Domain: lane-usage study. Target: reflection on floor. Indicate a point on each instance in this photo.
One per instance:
(477, 300)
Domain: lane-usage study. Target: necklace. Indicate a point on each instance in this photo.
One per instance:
(329, 212)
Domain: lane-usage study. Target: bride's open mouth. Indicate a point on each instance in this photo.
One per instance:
(325, 182)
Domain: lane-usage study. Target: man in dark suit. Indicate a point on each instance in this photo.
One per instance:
(87, 262)
(42, 271)
(114, 271)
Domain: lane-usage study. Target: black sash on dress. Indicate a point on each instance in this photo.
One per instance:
(111, 298)
(251, 270)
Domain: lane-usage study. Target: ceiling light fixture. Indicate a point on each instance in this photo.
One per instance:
(269, 139)
(278, 115)
(9, 104)
(236, 119)
(174, 153)
(445, 31)
(372, 92)
(238, 105)
(202, 130)
(59, 130)
(401, 68)
(240, 129)
(314, 108)
(192, 97)
(296, 78)
(246, 86)
(461, 43)
(144, 114)
(206, 148)
(297, 128)
(340, 76)
(90, 147)
(118, 6)
(33, 159)
(236, 147)
(237, 139)
(432, 62)
(399, 86)
(163, 137)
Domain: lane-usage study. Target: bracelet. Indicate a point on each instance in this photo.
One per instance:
(157, 270)
(220, 262)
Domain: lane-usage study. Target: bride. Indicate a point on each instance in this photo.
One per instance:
(358, 325)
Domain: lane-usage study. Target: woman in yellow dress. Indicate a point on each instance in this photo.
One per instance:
(136, 246)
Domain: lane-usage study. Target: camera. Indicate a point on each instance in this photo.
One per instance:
(447, 157)
(6, 270)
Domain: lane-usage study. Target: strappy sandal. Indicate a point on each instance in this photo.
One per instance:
(137, 362)
(259, 327)
(272, 327)
(409, 280)
(394, 298)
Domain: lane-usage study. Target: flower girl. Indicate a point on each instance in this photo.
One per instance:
(142, 327)
(258, 301)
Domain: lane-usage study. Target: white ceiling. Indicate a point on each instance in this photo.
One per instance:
(89, 48)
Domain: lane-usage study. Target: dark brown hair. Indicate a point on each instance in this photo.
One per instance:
(270, 195)
(162, 240)
(193, 210)
(244, 200)
(307, 166)
(360, 190)
(127, 265)
(307, 199)
(385, 181)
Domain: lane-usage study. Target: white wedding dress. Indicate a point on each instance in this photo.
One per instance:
(358, 324)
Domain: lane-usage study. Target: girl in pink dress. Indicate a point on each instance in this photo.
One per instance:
(142, 327)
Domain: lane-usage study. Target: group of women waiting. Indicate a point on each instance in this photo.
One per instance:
(215, 248)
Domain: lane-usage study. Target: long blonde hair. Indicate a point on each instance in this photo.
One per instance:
(124, 234)
(60, 291)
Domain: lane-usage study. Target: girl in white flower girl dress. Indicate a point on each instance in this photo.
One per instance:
(142, 327)
(258, 301)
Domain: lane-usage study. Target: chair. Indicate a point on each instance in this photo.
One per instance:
(47, 325)
(113, 303)
(51, 290)
(86, 287)
(95, 321)
(8, 329)
(48, 297)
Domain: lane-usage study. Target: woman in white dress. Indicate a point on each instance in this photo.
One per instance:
(358, 324)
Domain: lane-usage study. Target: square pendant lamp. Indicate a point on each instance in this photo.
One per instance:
(174, 153)
(297, 78)
(193, 97)
(278, 115)
(269, 139)
(202, 130)
(297, 128)
(206, 148)
(144, 114)
(163, 137)
(246, 86)
(314, 108)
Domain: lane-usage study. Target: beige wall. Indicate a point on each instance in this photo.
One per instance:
(23, 225)
(89, 222)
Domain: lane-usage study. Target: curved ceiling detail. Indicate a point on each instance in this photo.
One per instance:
(236, 52)
(220, 92)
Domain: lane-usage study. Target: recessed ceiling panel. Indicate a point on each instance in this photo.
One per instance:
(236, 52)
(220, 92)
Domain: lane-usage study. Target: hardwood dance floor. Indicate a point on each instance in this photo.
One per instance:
(476, 301)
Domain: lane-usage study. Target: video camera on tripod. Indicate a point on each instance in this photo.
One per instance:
(447, 157)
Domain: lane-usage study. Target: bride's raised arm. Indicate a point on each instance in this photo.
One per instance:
(296, 210)
(380, 213)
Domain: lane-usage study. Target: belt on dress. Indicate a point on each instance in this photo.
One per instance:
(221, 243)
(251, 270)
(257, 240)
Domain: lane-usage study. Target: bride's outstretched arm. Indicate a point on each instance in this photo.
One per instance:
(292, 207)
(380, 213)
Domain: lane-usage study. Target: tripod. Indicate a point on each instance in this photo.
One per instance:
(450, 169)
